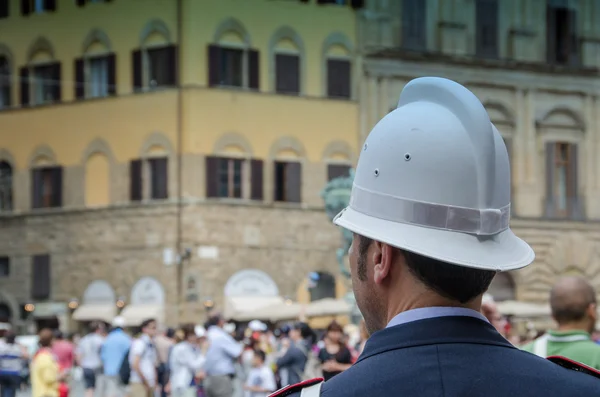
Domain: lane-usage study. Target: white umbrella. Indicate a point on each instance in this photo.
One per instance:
(277, 312)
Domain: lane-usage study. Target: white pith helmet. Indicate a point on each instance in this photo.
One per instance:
(433, 178)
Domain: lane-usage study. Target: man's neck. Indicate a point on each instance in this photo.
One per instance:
(427, 302)
(573, 327)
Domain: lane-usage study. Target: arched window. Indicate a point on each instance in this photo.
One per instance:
(95, 72)
(231, 60)
(337, 54)
(6, 186)
(321, 285)
(41, 78)
(149, 175)
(561, 131)
(287, 154)
(287, 53)
(5, 82)
(155, 63)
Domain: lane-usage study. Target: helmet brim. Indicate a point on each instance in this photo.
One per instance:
(501, 252)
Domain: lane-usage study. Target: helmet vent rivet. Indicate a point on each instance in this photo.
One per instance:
(365, 148)
(376, 172)
(407, 157)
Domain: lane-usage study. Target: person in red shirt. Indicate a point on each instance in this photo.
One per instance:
(64, 351)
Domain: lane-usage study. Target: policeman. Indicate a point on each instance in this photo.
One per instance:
(430, 210)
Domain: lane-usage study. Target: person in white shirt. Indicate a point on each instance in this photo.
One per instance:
(261, 380)
(143, 359)
(222, 354)
(186, 360)
(88, 356)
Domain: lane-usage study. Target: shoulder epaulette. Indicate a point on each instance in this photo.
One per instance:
(574, 366)
(286, 391)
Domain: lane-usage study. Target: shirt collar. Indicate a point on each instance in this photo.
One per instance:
(566, 334)
(431, 312)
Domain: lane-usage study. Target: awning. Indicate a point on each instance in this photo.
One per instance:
(328, 307)
(278, 312)
(92, 312)
(523, 309)
(236, 306)
(134, 315)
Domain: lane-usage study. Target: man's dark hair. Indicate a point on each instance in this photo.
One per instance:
(213, 319)
(10, 337)
(454, 282)
(170, 333)
(261, 354)
(146, 323)
(188, 330)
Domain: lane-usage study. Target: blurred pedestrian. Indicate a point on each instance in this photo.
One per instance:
(260, 381)
(335, 356)
(186, 361)
(12, 359)
(114, 349)
(143, 360)
(573, 303)
(88, 356)
(223, 352)
(45, 372)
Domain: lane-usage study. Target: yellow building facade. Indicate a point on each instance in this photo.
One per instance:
(150, 150)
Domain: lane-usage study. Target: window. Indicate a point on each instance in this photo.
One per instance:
(230, 178)
(288, 182)
(46, 187)
(338, 78)
(5, 83)
(37, 6)
(43, 82)
(414, 24)
(4, 266)
(4, 8)
(562, 42)
(233, 67)
(40, 277)
(6, 186)
(155, 171)
(227, 178)
(337, 171)
(561, 180)
(337, 2)
(95, 76)
(486, 35)
(287, 74)
(155, 67)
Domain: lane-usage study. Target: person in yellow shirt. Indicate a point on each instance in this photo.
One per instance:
(45, 374)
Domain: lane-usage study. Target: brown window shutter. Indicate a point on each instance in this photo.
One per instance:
(136, 61)
(40, 277)
(214, 65)
(338, 78)
(25, 7)
(4, 8)
(135, 180)
(56, 77)
(337, 170)
(287, 74)
(253, 69)
(551, 49)
(112, 74)
(550, 207)
(49, 5)
(79, 78)
(172, 72)
(57, 186)
(293, 182)
(256, 179)
(36, 188)
(212, 176)
(24, 79)
(159, 178)
(575, 202)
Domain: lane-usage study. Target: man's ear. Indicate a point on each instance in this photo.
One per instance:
(383, 257)
(592, 311)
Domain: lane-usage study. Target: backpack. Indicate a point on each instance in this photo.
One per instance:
(125, 369)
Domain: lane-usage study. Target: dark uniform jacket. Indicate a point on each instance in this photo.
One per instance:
(452, 357)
